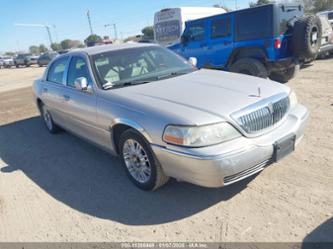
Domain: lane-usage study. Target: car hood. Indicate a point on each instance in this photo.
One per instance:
(202, 96)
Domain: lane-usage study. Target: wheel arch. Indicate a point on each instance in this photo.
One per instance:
(120, 125)
(256, 52)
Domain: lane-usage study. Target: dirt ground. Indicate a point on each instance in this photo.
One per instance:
(59, 188)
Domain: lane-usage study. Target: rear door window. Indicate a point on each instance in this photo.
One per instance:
(220, 28)
(57, 70)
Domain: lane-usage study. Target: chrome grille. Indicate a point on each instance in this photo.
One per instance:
(263, 117)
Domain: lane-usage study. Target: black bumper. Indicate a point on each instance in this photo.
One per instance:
(280, 65)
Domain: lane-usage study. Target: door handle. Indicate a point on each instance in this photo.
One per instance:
(44, 90)
(66, 97)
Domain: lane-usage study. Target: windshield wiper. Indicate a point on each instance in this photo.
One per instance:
(177, 73)
(110, 85)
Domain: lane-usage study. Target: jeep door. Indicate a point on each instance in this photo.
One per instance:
(196, 42)
(220, 40)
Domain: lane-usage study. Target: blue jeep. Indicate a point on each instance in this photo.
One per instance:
(265, 41)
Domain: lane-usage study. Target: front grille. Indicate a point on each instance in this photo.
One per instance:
(246, 173)
(265, 116)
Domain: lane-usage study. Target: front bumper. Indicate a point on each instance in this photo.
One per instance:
(229, 162)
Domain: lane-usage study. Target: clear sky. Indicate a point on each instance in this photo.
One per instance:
(68, 19)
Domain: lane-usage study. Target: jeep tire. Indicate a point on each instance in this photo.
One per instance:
(249, 66)
(306, 39)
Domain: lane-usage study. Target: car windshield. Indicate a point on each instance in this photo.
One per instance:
(138, 65)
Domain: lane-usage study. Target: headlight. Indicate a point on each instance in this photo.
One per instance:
(198, 136)
(292, 99)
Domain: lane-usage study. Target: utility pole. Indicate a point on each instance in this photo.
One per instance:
(89, 21)
(47, 27)
(114, 25)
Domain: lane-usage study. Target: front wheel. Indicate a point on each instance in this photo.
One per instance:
(140, 163)
(249, 66)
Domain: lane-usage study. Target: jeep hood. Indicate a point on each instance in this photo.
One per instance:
(203, 96)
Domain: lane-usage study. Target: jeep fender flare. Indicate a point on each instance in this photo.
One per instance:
(256, 52)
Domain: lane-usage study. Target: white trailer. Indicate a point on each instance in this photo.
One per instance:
(169, 24)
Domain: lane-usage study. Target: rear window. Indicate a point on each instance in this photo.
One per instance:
(287, 14)
(167, 31)
(254, 23)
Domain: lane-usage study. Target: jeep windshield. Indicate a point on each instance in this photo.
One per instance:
(137, 66)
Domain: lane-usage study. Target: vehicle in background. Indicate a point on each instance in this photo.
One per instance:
(169, 24)
(44, 59)
(165, 118)
(327, 38)
(240, 41)
(6, 61)
(328, 14)
(25, 60)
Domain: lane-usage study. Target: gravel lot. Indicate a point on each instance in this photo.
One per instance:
(59, 188)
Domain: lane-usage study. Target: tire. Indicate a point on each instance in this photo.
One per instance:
(249, 66)
(47, 119)
(303, 46)
(284, 76)
(153, 177)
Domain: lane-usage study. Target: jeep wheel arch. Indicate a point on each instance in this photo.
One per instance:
(254, 52)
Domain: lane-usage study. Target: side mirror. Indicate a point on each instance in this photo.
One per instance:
(193, 61)
(82, 84)
(184, 39)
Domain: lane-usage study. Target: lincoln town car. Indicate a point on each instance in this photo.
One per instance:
(165, 118)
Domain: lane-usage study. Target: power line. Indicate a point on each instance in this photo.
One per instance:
(47, 27)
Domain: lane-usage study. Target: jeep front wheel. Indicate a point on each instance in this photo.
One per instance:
(249, 66)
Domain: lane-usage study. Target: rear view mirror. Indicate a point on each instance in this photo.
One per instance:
(82, 84)
(193, 61)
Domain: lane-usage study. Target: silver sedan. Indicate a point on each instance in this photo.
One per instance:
(165, 118)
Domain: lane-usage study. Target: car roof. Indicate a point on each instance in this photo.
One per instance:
(109, 47)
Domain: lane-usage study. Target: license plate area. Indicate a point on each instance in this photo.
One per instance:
(284, 147)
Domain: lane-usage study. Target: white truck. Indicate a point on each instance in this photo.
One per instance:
(169, 24)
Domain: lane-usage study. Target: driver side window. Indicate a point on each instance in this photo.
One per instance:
(196, 32)
(77, 68)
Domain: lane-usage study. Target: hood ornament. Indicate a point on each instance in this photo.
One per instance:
(258, 95)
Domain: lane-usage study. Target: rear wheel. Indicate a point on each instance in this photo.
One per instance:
(249, 66)
(141, 165)
(48, 121)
